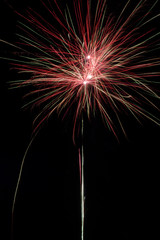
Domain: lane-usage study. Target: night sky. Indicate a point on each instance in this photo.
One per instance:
(121, 177)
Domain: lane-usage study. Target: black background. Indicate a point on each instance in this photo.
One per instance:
(121, 178)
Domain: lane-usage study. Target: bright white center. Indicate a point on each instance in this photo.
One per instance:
(89, 76)
(88, 57)
(85, 82)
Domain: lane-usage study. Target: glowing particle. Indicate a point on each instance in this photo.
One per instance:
(89, 76)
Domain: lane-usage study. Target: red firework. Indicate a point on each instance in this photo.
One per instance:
(93, 61)
(86, 61)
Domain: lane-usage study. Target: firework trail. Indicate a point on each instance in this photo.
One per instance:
(86, 62)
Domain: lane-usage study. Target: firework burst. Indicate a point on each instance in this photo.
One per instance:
(89, 61)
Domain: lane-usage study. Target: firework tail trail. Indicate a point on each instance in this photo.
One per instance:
(82, 180)
(18, 183)
(81, 173)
